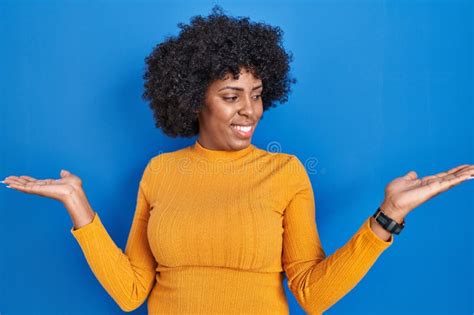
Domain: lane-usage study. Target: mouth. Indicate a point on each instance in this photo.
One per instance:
(243, 131)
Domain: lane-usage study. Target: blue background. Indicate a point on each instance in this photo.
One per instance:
(384, 87)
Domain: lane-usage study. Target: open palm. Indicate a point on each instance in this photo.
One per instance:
(59, 189)
(405, 193)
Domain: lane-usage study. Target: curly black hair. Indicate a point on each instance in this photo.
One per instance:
(180, 69)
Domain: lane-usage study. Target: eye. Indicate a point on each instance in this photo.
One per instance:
(232, 98)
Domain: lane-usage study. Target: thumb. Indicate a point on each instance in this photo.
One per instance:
(64, 173)
(411, 175)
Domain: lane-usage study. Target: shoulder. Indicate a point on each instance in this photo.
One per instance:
(288, 169)
(171, 163)
(163, 157)
(279, 156)
(293, 168)
(288, 163)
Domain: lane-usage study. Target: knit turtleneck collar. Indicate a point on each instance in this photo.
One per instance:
(221, 155)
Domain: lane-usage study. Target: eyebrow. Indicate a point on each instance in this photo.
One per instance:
(238, 88)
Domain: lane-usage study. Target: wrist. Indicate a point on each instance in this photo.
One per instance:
(76, 203)
(79, 209)
(393, 214)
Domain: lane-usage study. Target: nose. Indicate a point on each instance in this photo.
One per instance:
(247, 107)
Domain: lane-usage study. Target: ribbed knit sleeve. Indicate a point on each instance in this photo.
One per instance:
(316, 280)
(127, 277)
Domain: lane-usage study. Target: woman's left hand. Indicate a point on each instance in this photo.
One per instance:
(405, 193)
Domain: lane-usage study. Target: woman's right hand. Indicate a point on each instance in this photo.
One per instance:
(59, 189)
(67, 189)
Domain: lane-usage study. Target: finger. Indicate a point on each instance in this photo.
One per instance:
(466, 171)
(21, 181)
(20, 177)
(44, 182)
(452, 180)
(469, 172)
(29, 178)
(9, 177)
(411, 175)
(17, 180)
(438, 185)
(31, 188)
(451, 171)
(21, 187)
(64, 173)
(25, 178)
(459, 168)
(13, 180)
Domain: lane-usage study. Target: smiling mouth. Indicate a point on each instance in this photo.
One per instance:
(243, 131)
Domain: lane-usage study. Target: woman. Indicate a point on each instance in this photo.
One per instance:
(217, 224)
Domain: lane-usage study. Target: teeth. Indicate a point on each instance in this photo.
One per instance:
(242, 128)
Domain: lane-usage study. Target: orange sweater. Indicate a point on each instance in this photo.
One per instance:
(215, 231)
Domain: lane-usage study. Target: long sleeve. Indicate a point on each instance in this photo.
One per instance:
(127, 277)
(316, 280)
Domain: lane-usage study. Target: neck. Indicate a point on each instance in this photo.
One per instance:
(221, 155)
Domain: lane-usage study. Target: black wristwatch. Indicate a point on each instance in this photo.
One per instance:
(387, 223)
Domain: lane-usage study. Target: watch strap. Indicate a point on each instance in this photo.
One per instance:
(388, 223)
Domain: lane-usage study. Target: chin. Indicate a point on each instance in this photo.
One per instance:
(241, 143)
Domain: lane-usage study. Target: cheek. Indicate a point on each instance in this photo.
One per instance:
(224, 115)
(259, 112)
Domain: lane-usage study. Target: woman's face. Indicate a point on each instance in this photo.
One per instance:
(229, 104)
